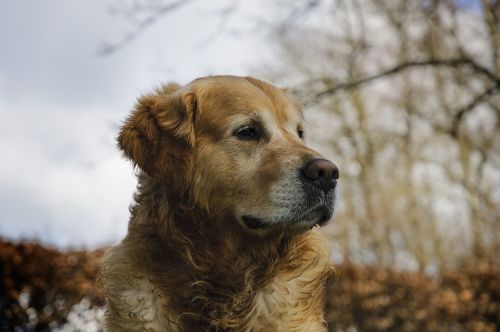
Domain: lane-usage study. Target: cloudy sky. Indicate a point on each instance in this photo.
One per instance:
(62, 180)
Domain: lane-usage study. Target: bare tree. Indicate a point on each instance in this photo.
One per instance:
(411, 90)
(406, 96)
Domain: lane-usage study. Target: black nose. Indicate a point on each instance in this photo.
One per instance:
(322, 173)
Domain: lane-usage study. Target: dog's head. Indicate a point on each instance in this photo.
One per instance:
(235, 147)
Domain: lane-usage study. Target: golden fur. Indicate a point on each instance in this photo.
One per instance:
(188, 263)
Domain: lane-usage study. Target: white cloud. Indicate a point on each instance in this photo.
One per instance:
(62, 179)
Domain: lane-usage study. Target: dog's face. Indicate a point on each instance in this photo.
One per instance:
(236, 146)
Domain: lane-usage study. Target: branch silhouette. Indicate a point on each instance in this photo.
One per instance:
(453, 63)
(141, 26)
(453, 130)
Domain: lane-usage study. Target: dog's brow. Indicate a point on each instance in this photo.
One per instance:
(242, 118)
(260, 119)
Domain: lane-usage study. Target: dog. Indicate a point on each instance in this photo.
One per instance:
(224, 231)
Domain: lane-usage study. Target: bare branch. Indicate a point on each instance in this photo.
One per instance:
(457, 118)
(299, 13)
(454, 63)
(461, 112)
(224, 16)
(141, 26)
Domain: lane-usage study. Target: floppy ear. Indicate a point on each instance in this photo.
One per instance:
(159, 135)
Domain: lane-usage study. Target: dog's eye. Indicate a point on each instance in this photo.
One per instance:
(247, 133)
(300, 132)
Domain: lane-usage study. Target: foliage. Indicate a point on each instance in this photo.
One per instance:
(42, 289)
(39, 285)
(380, 299)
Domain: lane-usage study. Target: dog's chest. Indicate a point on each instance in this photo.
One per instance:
(145, 307)
(282, 305)
(292, 300)
(294, 304)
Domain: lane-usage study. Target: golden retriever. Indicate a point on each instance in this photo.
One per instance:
(224, 232)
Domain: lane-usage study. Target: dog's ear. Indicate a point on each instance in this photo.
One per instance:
(159, 135)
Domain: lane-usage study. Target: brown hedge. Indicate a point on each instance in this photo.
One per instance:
(54, 280)
(378, 299)
(359, 299)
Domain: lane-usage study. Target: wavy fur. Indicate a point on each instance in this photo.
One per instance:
(186, 264)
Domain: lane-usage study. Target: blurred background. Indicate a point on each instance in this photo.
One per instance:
(403, 95)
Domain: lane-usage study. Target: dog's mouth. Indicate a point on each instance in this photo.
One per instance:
(253, 223)
(323, 215)
(317, 217)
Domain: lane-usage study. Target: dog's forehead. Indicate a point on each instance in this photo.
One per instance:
(233, 98)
